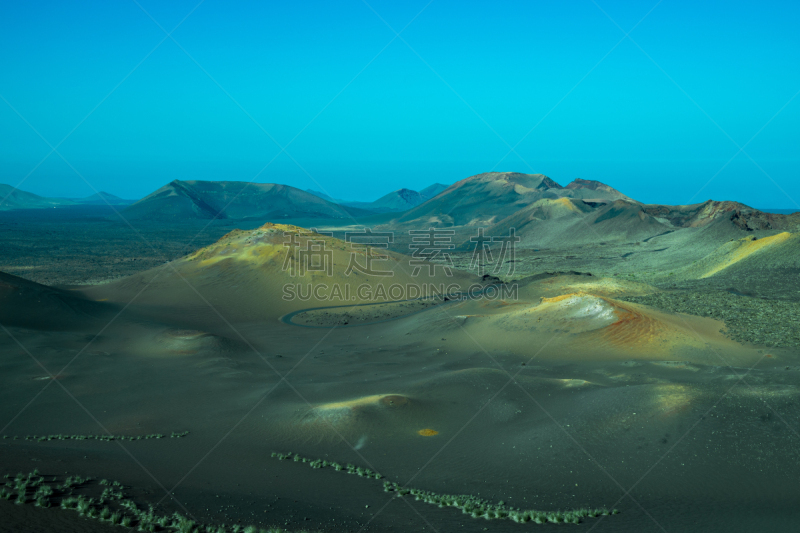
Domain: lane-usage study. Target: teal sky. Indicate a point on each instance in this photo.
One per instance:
(660, 115)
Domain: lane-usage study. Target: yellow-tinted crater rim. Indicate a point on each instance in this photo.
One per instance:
(562, 297)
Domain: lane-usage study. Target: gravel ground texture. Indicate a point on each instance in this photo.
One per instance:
(772, 323)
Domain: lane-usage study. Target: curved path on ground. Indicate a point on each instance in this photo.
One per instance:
(457, 297)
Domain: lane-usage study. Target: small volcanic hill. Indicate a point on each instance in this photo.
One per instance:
(490, 197)
(180, 200)
(12, 198)
(399, 200)
(433, 190)
(396, 201)
(244, 276)
(582, 318)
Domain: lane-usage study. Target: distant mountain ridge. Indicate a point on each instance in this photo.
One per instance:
(102, 198)
(179, 200)
(324, 196)
(396, 201)
(545, 214)
(399, 200)
(432, 190)
(542, 211)
(490, 197)
(13, 198)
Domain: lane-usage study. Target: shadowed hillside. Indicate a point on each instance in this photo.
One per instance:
(31, 305)
(180, 200)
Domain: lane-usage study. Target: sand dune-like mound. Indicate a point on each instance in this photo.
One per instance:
(356, 419)
(348, 411)
(577, 318)
(588, 318)
(176, 342)
(601, 324)
(556, 284)
(479, 377)
(436, 405)
(276, 269)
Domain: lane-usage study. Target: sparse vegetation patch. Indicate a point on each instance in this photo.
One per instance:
(111, 506)
(468, 504)
(107, 438)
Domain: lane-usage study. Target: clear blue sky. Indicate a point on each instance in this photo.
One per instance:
(481, 76)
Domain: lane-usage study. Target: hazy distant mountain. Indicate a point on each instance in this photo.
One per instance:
(11, 198)
(395, 201)
(179, 200)
(432, 190)
(103, 198)
(399, 200)
(324, 196)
